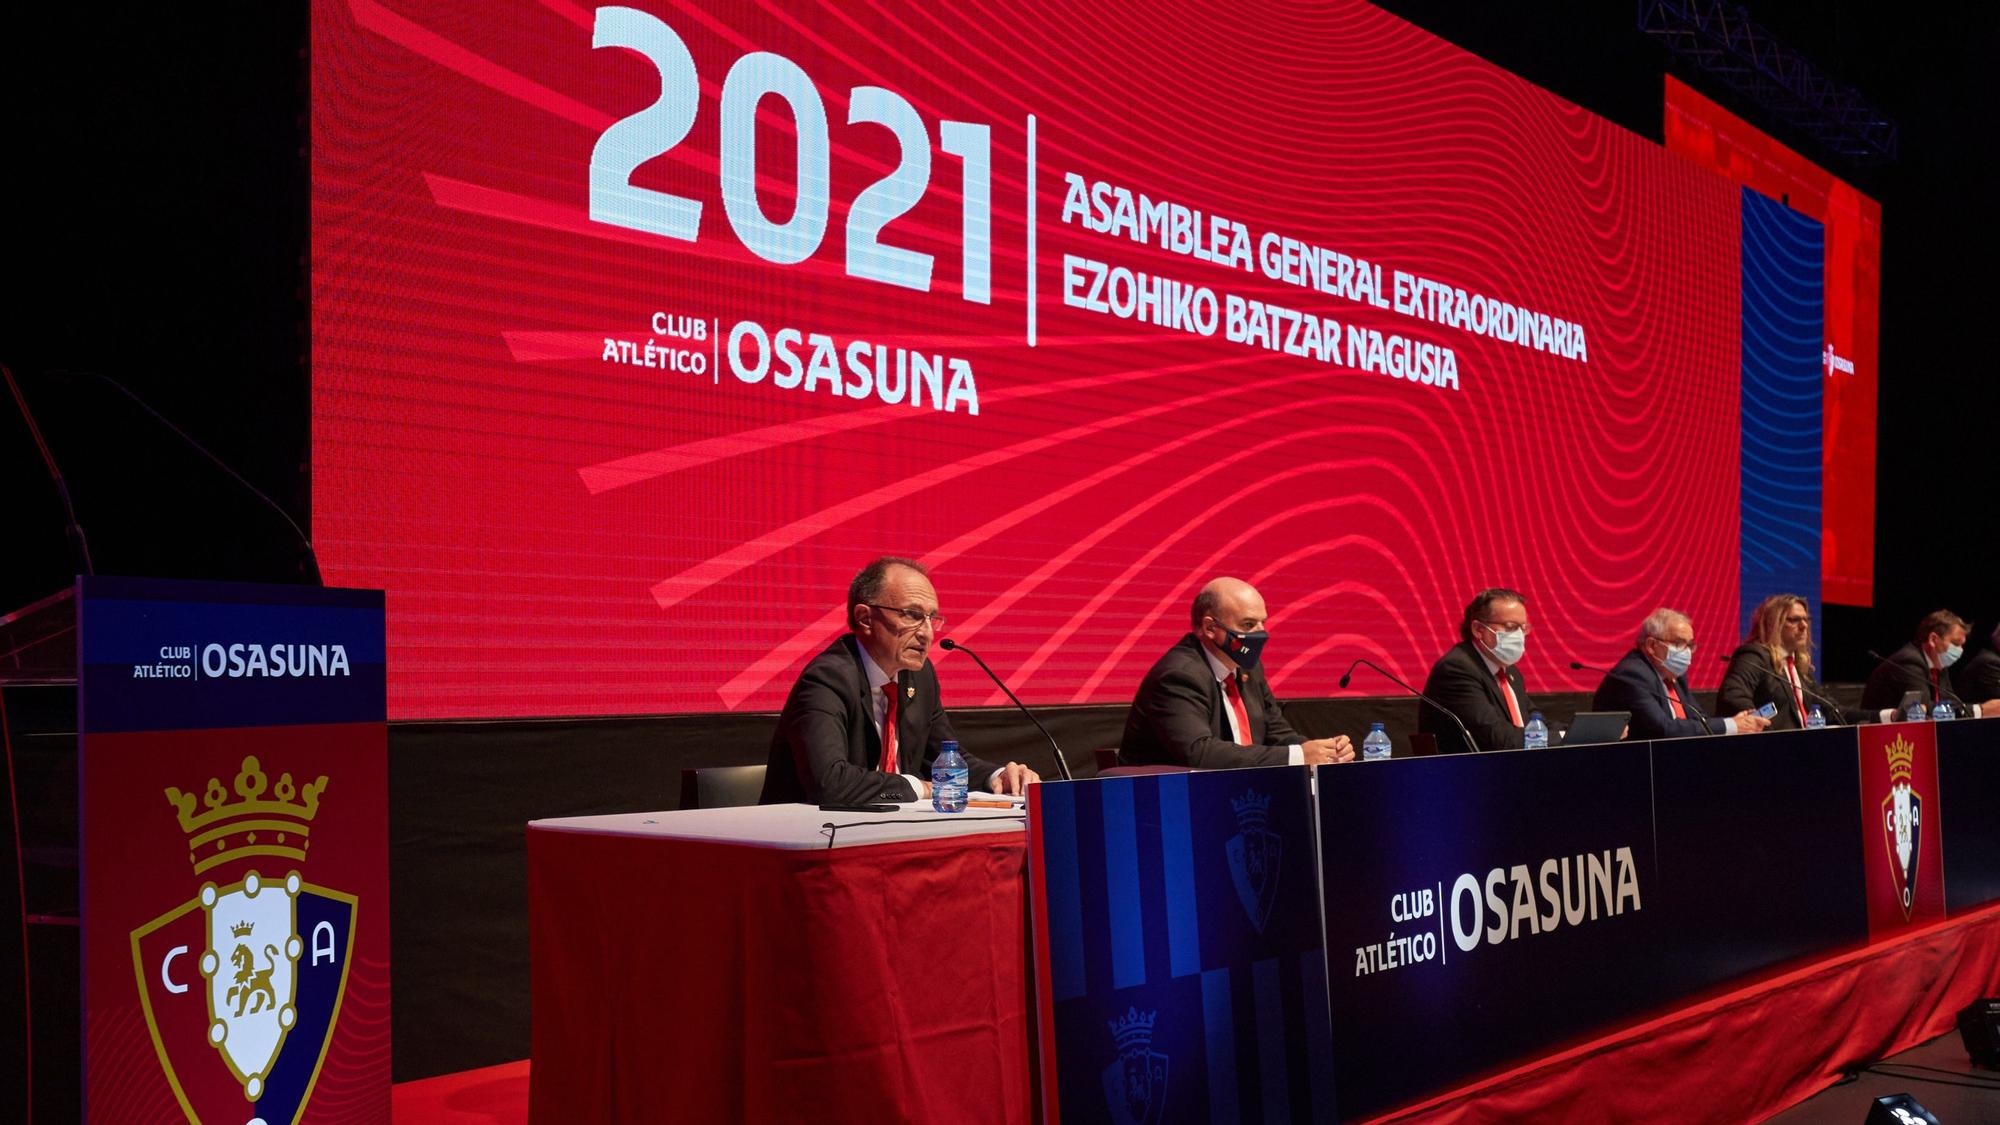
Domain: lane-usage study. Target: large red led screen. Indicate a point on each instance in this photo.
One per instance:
(637, 330)
(1704, 132)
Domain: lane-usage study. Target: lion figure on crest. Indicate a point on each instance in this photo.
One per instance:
(252, 981)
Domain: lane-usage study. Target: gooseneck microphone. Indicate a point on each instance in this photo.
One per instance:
(312, 553)
(1580, 666)
(1349, 675)
(1062, 763)
(1774, 677)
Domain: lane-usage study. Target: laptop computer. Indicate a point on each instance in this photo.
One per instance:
(1590, 728)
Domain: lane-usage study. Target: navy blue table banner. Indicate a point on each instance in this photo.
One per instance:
(1180, 967)
(1479, 910)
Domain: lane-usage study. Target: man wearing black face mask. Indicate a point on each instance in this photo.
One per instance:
(1476, 678)
(1206, 703)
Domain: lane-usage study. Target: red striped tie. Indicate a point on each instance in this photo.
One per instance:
(1674, 698)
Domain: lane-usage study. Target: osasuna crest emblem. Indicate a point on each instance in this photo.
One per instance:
(241, 983)
(1903, 821)
(1254, 855)
(1135, 1084)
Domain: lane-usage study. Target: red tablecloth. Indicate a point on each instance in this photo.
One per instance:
(680, 980)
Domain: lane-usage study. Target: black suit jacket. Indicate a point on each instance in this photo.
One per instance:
(826, 750)
(1753, 680)
(1906, 670)
(1177, 718)
(1632, 685)
(1461, 684)
(1979, 677)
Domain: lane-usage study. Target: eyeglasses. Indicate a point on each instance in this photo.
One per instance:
(1672, 646)
(1798, 620)
(912, 617)
(1520, 627)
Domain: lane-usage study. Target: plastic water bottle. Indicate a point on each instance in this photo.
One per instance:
(1943, 712)
(1375, 747)
(1536, 735)
(1916, 713)
(949, 778)
(1815, 719)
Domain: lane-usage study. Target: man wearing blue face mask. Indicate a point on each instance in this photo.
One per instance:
(1476, 679)
(1651, 683)
(1206, 704)
(1923, 666)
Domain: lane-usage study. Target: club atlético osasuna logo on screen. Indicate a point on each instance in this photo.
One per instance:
(1903, 821)
(241, 982)
(1135, 1084)
(1254, 853)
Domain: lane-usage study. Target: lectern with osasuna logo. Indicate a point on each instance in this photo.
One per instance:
(233, 847)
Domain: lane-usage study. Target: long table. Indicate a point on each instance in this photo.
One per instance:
(749, 965)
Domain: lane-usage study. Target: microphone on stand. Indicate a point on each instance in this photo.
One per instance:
(1062, 763)
(1580, 666)
(312, 554)
(1349, 675)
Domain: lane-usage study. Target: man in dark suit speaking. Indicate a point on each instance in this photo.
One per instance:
(1651, 683)
(864, 722)
(1476, 679)
(1206, 704)
(1924, 666)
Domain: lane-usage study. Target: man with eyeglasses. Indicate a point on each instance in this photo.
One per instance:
(1206, 703)
(864, 722)
(1476, 679)
(1651, 683)
(1774, 665)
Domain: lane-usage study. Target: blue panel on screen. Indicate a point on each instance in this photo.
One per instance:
(1186, 970)
(1783, 329)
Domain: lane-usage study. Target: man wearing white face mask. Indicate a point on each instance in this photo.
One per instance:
(1651, 683)
(1923, 666)
(1476, 679)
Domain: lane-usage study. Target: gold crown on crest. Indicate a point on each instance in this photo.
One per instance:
(1902, 759)
(225, 830)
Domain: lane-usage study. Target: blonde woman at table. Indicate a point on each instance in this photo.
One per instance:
(864, 722)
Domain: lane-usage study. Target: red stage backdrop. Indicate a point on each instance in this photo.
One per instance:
(638, 330)
(1711, 136)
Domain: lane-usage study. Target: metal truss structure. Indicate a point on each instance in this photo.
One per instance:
(1721, 38)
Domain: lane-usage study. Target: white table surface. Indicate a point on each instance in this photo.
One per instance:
(797, 826)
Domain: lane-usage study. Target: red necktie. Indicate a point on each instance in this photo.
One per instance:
(1507, 693)
(1934, 689)
(1674, 698)
(1792, 666)
(1236, 705)
(889, 730)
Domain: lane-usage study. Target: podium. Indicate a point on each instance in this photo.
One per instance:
(197, 781)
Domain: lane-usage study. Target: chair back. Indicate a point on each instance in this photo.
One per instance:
(721, 787)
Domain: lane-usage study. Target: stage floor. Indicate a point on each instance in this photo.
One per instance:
(498, 1095)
